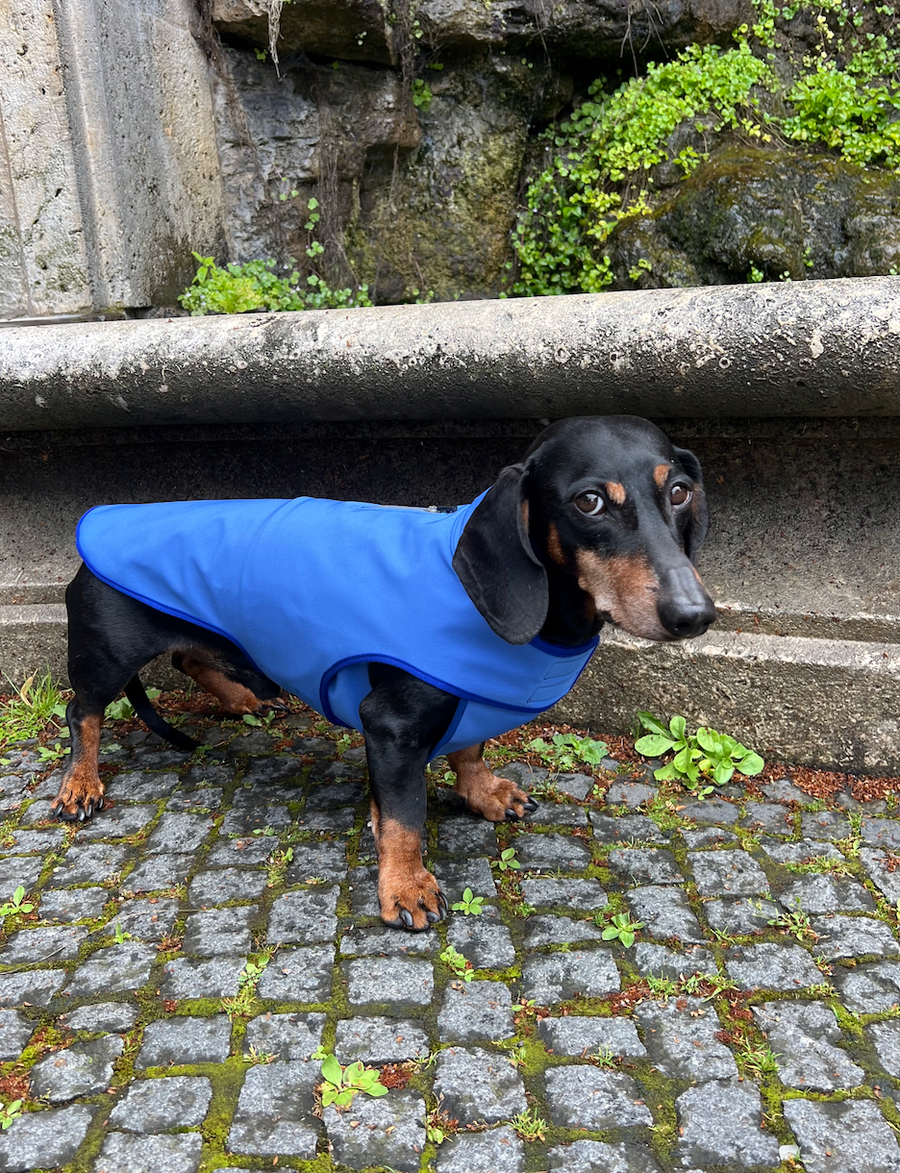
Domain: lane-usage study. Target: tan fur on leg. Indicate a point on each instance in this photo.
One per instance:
(484, 792)
(81, 791)
(235, 698)
(407, 892)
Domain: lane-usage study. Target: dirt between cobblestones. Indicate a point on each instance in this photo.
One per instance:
(195, 951)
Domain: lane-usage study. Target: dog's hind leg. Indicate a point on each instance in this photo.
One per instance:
(495, 798)
(100, 665)
(237, 697)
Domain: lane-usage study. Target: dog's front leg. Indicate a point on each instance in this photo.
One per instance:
(403, 720)
(495, 798)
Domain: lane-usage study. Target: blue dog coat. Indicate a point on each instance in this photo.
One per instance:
(313, 591)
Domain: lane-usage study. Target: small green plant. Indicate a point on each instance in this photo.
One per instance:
(277, 866)
(620, 927)
(123, 710)
(258, 1058)
(565, 751)
(469, 904)
(706, 986)
(661, 987)
(527, 1007)
(421, 95)
(263, 722)
(239, 1006)
(605, 1058)
(437, 1126)
(435, 1134)
(757, 1060)
(27, 713)
(523, 909)
(341, 1084)
(706, 754)
(795, 922)
(529, 1125)
(9, 1114)
(121, 935)
(52, 753)
(255, 285)
(17, 903)
(460, 965)
(643, 266)
(507, 860)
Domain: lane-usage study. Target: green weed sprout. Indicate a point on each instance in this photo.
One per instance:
(341, 1084)
(705, 754)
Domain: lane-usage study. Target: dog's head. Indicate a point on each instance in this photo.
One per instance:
(601, 522)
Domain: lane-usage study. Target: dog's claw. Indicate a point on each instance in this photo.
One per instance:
(511, 815)
(433, 917)
(406, 917)
(531, 805)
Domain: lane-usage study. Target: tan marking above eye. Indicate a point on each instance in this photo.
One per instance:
(661, 474)
(615, 492)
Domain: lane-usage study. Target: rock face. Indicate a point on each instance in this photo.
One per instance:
(437, 219)
(351, 30)
(750, 213)
(310, 132)
(414, 127)
(411, 199)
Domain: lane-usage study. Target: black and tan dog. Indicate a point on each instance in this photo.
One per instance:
(600, 523)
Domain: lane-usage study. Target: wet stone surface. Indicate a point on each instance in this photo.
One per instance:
(197, 947)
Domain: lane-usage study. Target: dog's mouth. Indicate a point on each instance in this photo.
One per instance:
(629, 594)
(653, 630)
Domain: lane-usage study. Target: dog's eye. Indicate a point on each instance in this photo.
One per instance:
(680, 495)
(591, 504)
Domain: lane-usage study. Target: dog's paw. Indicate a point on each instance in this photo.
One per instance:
(499, 800)
(77, 800)
(413, 901)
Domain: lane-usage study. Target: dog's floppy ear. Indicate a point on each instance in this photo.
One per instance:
(699, 523)
(496, 565)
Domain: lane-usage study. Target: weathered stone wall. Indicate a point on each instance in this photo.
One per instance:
(132, 135)
(109, 172)
(422, 202)
(43, 263)
(410, 124)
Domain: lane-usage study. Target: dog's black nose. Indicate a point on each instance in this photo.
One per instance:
(684, 607)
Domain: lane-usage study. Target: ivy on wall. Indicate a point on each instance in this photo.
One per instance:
(604, 160)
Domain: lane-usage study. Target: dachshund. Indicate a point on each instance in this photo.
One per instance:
(430, 631)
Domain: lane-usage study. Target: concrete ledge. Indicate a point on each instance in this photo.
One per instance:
(812, 349)
(33, 639)
(833, 703)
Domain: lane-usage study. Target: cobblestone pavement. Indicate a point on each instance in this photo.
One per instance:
(197, 948)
